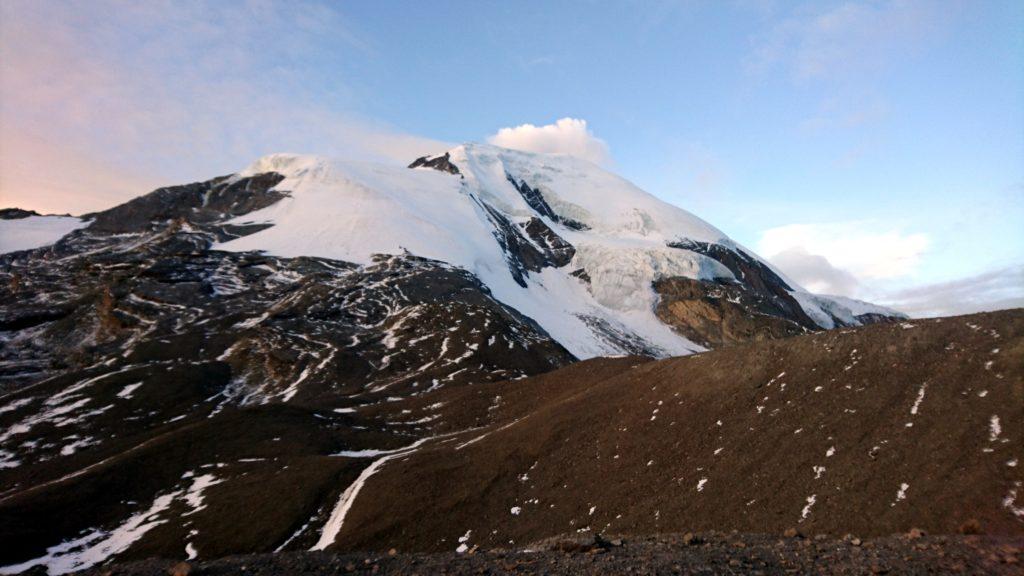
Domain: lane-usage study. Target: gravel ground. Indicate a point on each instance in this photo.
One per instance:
(704, 553)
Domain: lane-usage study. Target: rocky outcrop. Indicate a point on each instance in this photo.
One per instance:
(529, 247)
(875, 318)
(557, 252)
(582, 274)
(535, 198)
(715, 314)
(755, 304)
(197, 204)
(810, 432)
(442, 163)
(772, 293)
(16, 213)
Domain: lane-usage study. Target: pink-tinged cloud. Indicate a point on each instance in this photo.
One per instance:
(102, 101)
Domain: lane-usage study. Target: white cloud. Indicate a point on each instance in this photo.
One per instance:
(839, 257)
(566, 136)
(868, 261)
(815, 273)
(994, 290)
(851, 38)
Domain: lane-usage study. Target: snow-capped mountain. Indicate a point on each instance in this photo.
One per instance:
(559, 239)
(581, 251)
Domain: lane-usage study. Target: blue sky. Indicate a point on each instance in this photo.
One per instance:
(870, 148)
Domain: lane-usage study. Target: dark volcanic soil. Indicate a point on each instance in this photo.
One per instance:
(873, 431)
(707, 553)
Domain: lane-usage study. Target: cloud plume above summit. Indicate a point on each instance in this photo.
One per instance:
(565, 136)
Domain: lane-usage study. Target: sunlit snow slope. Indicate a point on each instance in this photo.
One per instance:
(35, 231)
(480, 209)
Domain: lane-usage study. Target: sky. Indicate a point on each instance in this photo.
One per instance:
(872, 149)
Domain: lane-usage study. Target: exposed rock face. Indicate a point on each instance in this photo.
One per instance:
(756, 305)
(763, 284)
(581, 273)
(872, 318)
(717, 314)
(535, 199)
(16, 213)
(533, 251)
(557, 251)
(442, 163)
(200, 203)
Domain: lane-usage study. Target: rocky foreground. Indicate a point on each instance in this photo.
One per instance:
(873, 431)
(704, 553)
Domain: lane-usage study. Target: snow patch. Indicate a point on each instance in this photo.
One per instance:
(919, 399)
(901, 494)
(337, 519)
(35, 231)
(811, 501)
(97, 546)
(994, 428)
(127, 391)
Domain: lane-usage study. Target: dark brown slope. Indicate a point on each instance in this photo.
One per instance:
(616, 446)
(870, 431)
